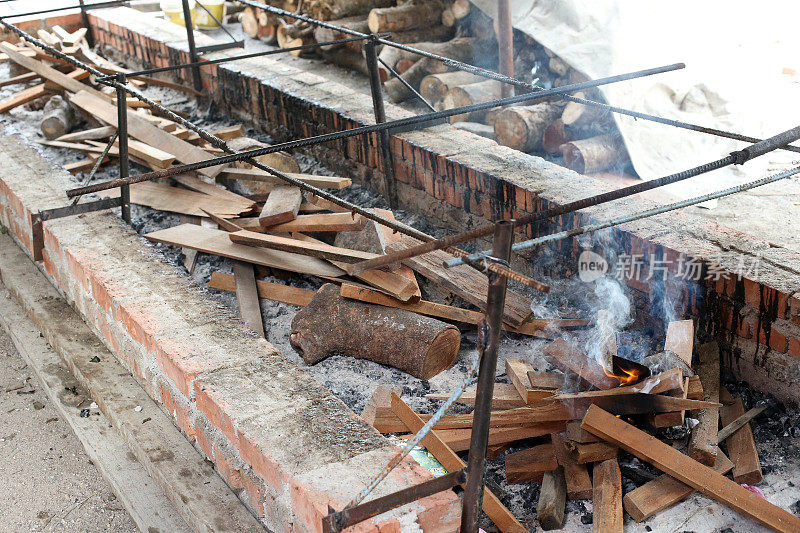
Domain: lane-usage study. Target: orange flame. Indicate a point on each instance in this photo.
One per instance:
(626, 377)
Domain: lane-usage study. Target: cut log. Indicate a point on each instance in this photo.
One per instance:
(685, 469)
(217, 242)
(703, 443)
(267, 290)
(58, 119)
(247, 296)
(594, 154)
(522, 127)
(461, 8)
(581, 116)
(311, 249)
(502, 517)
(741, 446)
(281, 206)
(392, 55)
(405, 17)
(448, 18)
(569, 359)
(249, 20)
(607, 497)
(462, 281)
(664, 491)
(592, 452)
(346, 58)
(357, 23)
(555, 135)
(339, 9)
(579, 484)
(474, 93)
(505, 396)
(530, 464)
(434, 87)
(552, 500)
(330, 324)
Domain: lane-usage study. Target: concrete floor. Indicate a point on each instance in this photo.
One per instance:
(49, 483)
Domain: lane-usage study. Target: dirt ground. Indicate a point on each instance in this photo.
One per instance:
(49, 483)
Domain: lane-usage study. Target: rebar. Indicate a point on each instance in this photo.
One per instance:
(97, 163)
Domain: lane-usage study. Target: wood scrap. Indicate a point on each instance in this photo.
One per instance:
(174, 199)
(664, 491)
(569, 359)
(703, 443)
(93, 134)
(462, 281)
(21, 78)
(330, 324)
(677, 418)
(217, 242)
(607, 497)
(575, 433)
(267, 290)
(552, 500)
(311, 249)
(281, 206)
(687, 470)
(405, 17)
(579, 484)
(522, 127)
(740, 421)
(32, 93)
(517, 372)
(680, 339)
(505, 396)
(550, 380)
(595, 154)
(196, 184)
(741, 446)
(247, 296)
(459, 439)
(344, 222)
(592, 452)
(530, 464)
(502, 517)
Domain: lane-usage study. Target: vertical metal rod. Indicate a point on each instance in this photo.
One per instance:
(491, 331)
(87, 24)
(122, 131)
(505, 42)
(389, 183)
(193, 57)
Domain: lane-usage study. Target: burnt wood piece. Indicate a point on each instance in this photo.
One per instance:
(330, 324)
(570, 359)
(703, 443)
(741, 446)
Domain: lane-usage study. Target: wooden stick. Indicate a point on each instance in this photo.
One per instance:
(267, 290)
(255, 174)
(703, 443)
(607, 497)
(93, 134)
(579, 484)
(737, 423)
(311, 249)
(32, 93)
(552, 500)
(664, 491)
(530, 464)
(247, 296)
(22, 78)
(741, 446)
(685, 469)
(502, 517)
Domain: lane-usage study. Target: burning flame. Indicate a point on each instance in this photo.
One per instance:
(625, 376)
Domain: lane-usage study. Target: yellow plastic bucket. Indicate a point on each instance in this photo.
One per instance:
(173, 11)
(202, 19)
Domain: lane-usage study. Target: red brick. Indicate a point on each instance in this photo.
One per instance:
(794, 348)
(778, 341)
(752, 292)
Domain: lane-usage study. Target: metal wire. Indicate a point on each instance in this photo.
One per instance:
(645, 214)
(99, 162)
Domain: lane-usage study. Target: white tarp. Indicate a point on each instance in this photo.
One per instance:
(734, 54)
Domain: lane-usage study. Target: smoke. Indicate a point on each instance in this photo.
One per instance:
(612, 314)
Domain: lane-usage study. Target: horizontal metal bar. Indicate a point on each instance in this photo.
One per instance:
(219, 47)
(335, 522)
(78, 209)
(98, 5)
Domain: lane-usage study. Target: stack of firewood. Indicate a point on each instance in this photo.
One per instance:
(573, 421)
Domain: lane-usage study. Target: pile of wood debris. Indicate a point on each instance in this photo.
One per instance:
(584, 139)
(573, 421)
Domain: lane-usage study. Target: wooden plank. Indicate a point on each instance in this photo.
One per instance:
(680, 339)
(592, 452)
(177, 200)
(93, 134)
(267, 290)
(442, 311)
(552, 500)
(69, 83)
(738, 422)
(317, 222)
(685, 469)
(505, 396)
(502, 517)
(217, 242)
(575, 433)
(530, 464)
(390, 236)
(459, 439)
(144, 131)
(247, 296)
(198, 185)
(311, 249)
(326, 204)
(22, 78)
(703, 443)
(569, 359)
(579, 484)
(677, 418)
(517, 372)
(694, 390)
(741, 446)
(635, 403)
(664, 491)
(255, 174)
(282, 205)
(463, 281)
(156, 158)
(551, 380)
(607, 497)
(32, 93)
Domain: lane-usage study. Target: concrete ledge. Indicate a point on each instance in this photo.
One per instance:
(281, 440)
(457, 180)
